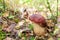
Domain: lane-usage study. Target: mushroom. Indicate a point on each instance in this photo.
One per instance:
(39, 23)
(39, 19)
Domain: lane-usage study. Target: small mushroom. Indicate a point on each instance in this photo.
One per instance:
(39, 23)
(39, 19)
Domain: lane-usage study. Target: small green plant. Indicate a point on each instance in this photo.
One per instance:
(2, 34)
(53, 17)
(2, 5)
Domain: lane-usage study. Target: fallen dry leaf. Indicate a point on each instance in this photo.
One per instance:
(19, 24)
(8, 38)
(10, 28)
(49, 23)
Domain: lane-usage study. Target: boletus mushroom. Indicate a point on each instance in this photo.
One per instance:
(39, 24)
(39, 19)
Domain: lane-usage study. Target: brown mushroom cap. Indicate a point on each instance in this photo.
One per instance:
(38, 19)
